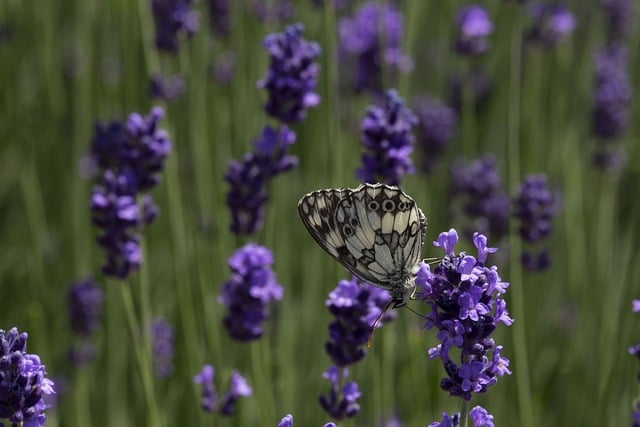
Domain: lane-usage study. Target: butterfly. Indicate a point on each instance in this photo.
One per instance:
(375, 231)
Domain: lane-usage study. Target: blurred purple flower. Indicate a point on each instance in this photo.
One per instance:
(474, 28)
(130, 157)
(23, 385)
(219, 17)
(238, 387)
(386, 133)
(552, 23)
(162, 347)
(436, 126)
(223, 68)
(447, 421)
(249, 291)
(341, 402)
(292, 74)
(373, 37)
(208, 397)
(478, 186)
(466, 303)
(85, 301)
(248, 179)
(273, 11)
(167, 88)
(621, 16)
(173, 19)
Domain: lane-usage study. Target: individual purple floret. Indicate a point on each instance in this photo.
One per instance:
(238, 386)
(162, 347)
(173, 19)
(447, 421)
(129, 157)
(611, 99)
(436, 126)
(373, 38)
(478, 186)
(480, 417)
(552, 23)
(535, 206)
(287, 421)
(466, 303)
(341, 402)
(248, 179)
(249, 291)
(23, 385)
(386, 134)
(620, 15)
(167, 88)
(292, 74)
(85, 301)
(474, 29)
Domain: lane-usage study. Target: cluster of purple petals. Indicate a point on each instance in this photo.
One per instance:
(466, 303)
(436, 126)
(635, 351)
(478, 185)
(355, 306)
(130, 157)
(386, 134)
(535, 207)
(373, 37)
(287, 421)
(478, 415)
(620, 16)
(248, 178)
(85, 301)
(166, 88)
(341, 401)
(23, 385)
(219, 17)
(292, 74)
(474, 29)
(249, 291)
(161, 333)
(552, 23)
(226, 405)
(173, 19)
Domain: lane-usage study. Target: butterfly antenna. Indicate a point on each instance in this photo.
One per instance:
(432, 261)
(378, 320)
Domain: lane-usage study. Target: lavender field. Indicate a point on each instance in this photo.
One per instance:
(157, 270)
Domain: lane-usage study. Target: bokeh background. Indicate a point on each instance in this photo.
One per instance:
(529, 101)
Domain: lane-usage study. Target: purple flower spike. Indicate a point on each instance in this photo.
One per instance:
(436, 126)
(162, 347)
(173, 19)
(552, 23)
(620, 18)
(474, 28)
(373, 38)
(23, 385)
(248, 178)
(205, 377)
(291, 78)
(167, 88)
(386, 133)
(465, 298)
(85, 306)
(249, 291)
(341, 402)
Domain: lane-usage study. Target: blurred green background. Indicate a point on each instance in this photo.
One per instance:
(66, 64)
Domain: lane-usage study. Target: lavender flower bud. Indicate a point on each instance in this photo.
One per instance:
(552, 23)
(474, 28)
(436, 126)
(173, 19)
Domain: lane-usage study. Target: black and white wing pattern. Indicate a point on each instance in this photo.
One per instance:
(375, 231)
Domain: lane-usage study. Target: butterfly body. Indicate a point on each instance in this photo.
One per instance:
(375, 231)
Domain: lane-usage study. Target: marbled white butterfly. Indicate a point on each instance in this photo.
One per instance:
(375, 231)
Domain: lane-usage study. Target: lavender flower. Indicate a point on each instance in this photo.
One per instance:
(23, 385)
(436, 126)
(477, 185)
(474, 28)
(248, 179)
(612, 93)
(620, 15)
(130, 157)
(535, 207)
(167, 88)
(466, 307)
(373, 37)
(162, 347)
(173, 19)
(292, 74)
(238, 386)
(480, 417)
(223, 68)
(248, 292)
(287, 421)
(341, 401)
(386, 132)
(85, 300)
(552, 23)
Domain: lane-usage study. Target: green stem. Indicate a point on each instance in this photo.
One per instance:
(464, 412)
